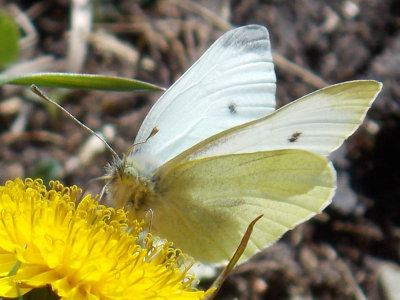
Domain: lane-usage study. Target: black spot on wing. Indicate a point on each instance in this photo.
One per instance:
(294, 137)
(232, 108)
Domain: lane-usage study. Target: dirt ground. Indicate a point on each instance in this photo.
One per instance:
(337, 255)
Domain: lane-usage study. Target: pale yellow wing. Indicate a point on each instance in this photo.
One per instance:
(318, 122)
(206, 205)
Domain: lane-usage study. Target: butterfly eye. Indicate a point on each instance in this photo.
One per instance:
(131, 172)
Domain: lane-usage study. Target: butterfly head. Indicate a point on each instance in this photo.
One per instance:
(129, 187)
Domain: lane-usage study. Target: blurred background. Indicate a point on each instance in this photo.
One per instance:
(352, 250)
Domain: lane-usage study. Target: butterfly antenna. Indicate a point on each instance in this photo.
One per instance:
(152, 133)
(38, 92)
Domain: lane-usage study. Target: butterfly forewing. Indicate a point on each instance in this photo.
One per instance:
(231, 84)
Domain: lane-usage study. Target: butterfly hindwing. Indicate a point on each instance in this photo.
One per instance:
(207, 204)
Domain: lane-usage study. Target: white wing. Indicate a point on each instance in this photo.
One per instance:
(231, 84)
(318, 122)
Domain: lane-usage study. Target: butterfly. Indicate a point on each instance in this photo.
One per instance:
(213, 153)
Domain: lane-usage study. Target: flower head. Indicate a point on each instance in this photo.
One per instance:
(82, 251)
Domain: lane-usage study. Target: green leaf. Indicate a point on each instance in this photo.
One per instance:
(9, 36)
(79, 81)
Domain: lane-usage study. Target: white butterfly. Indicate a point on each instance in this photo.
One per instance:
(222, 156)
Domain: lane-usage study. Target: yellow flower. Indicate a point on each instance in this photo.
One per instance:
(82, 251)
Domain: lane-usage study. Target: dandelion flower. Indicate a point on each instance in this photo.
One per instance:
(82, 251)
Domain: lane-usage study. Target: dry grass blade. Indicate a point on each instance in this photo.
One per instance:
(110, 43)
(235, 258)
(81, 26)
